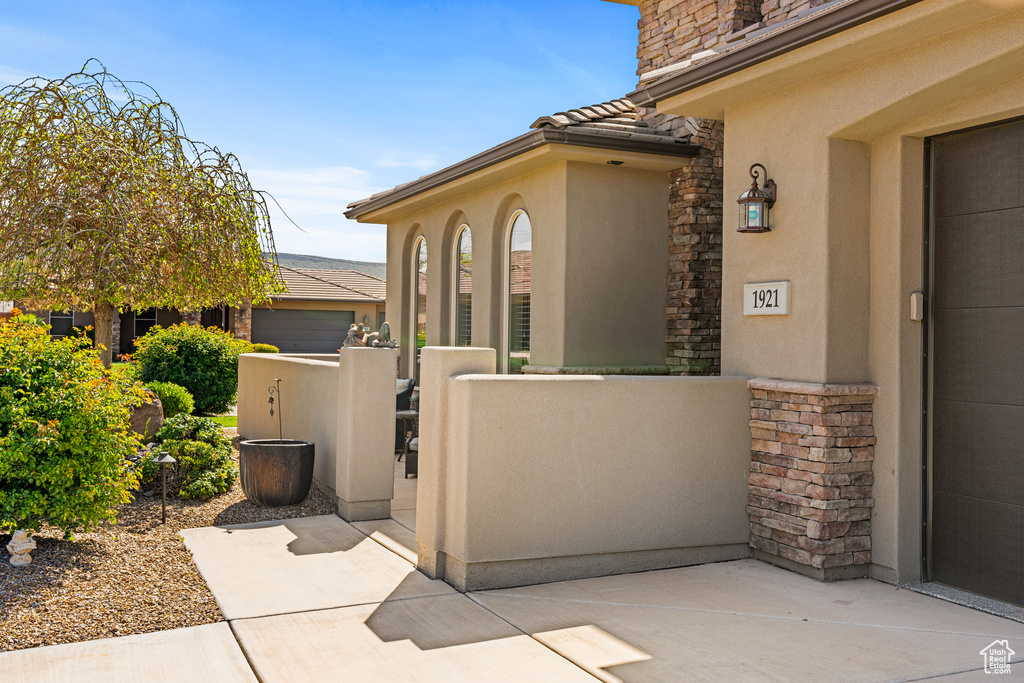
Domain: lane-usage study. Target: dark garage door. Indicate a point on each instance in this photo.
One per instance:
(301, 331)
(977, 378)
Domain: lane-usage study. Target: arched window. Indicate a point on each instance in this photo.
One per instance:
(462, 289)
(419, 307)
(520, 250)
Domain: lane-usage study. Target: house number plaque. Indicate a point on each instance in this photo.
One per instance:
(766, 298)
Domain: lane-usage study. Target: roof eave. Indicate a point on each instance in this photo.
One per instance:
(515, 147)
(843, 17)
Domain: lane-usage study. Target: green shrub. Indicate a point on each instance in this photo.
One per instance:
(129, 371)
(205, 467)
(175, 399)
(203, 360)
(79, 331)
(264, 348)
(64, 435)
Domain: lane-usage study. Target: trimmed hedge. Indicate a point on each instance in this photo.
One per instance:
(264, 348)
(64, 435)
(175, 399)
(202, 360)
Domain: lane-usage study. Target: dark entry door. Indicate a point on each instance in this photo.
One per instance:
(977, 378)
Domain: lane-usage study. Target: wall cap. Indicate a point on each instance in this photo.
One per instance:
(812, 388)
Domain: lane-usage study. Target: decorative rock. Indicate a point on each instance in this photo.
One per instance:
(20, 547)
(148, 417)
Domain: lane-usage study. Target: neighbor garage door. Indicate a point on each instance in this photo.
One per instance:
(977, 378)
(301, 331)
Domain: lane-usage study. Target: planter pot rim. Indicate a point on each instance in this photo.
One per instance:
(275, 442)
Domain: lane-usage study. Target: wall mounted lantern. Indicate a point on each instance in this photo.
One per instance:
(755, 203)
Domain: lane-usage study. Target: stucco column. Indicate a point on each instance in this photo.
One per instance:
(365, 468)
(437, 366)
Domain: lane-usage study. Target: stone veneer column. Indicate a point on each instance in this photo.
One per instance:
(809, 497)
(671, 31)
(241, 324)
(694, 314)
(191, 317)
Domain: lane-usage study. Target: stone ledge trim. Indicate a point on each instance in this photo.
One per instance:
(812, 388)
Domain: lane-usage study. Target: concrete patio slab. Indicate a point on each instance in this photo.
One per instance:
(300, 564)
(746, 620)
(446, 638)
(392, 536)
(200, 654)
(406, 518)
(405, 490)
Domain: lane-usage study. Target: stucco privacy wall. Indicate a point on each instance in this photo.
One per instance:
(551, 478)
(848, 225)
(346, 407)
(597, 256)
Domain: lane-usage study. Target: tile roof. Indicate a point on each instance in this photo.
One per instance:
(616, 118)
(615, 124)
(307, 284)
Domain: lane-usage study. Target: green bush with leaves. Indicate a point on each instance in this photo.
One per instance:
(175, 399)
(203, 360)
(264, 348)
(86, 331)
(64, 435)
(205, 467)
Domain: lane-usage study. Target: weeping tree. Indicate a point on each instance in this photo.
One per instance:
(105, 203)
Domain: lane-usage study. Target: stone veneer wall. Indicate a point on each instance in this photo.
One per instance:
(811, 476)
(670, 31)
(777, 11)
(694, 314)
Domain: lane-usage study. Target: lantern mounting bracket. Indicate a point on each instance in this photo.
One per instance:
(770, 188)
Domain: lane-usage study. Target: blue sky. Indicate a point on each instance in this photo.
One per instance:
(328, 102)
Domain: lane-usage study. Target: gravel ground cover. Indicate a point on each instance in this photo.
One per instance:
(135, 576)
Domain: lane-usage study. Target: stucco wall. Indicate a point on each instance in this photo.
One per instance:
(346, 407)
(598, 255)
(307, 407)
(547, 478)
(848, 224)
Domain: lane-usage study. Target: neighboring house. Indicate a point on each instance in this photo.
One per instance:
(887, 403)
(312, 316)
(314, 313)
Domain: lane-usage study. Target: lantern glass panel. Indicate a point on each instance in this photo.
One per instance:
(743, 216)
(754, 214)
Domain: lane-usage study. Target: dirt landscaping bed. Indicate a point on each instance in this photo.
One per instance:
(135, 576)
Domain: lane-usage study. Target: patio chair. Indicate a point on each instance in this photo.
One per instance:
(412, 456)
(403, 393)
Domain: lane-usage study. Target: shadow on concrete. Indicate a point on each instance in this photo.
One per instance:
(435, 622)
(314, 542)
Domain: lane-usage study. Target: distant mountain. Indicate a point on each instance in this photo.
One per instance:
(324, 263)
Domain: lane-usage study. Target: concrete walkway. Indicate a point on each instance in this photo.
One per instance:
(317, 599)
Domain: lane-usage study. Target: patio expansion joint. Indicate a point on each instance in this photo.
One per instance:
(245, 653)
(390, 550)
(328, 609)
(528, 635)
(739, 614)
(979, 669)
